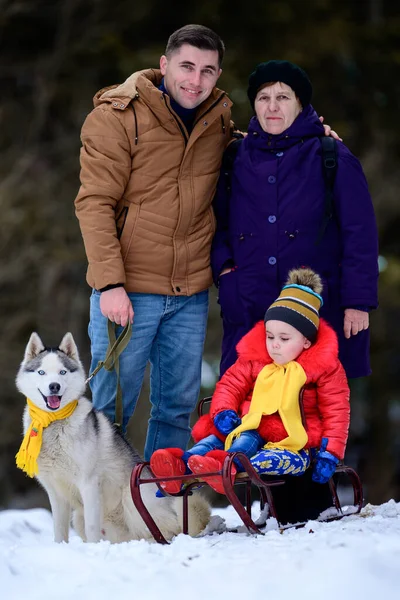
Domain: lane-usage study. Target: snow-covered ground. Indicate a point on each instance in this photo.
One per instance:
(355, 558)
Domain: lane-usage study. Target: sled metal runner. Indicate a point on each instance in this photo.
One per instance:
(248, 478)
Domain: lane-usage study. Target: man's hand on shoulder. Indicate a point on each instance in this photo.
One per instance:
(329, 131)
(116, 306)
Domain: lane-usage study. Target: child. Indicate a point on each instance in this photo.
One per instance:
(255, 408)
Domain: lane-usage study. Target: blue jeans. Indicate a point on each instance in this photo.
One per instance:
(249, 442)
(168, 331)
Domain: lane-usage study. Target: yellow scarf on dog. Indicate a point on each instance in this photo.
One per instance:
(277, 389)
(29, 450)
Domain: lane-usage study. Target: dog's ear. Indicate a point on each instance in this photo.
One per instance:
(34, 347)
(69, 347)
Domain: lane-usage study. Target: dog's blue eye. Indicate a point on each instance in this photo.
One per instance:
(63, 372)
(41, 372)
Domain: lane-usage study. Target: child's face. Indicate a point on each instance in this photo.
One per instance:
(284, 342)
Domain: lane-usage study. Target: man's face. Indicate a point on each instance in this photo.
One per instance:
(190, 74)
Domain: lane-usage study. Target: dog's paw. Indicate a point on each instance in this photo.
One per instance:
(216, 525)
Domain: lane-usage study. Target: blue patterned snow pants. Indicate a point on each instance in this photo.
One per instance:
(276, 461)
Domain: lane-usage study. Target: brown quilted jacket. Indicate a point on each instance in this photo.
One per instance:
(144, 205)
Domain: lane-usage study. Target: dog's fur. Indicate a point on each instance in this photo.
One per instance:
(84, 463)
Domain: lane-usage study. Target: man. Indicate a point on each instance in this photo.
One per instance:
(150, 159)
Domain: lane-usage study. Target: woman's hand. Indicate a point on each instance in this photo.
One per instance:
(329, 131)
(355, 321)
(225, 271)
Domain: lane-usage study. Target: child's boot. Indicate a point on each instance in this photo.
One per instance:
(167, 463)
(212, 461)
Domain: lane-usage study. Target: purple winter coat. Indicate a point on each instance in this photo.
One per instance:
(270, 224)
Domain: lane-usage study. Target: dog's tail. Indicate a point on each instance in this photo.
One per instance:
(199, 513)
(166, 512)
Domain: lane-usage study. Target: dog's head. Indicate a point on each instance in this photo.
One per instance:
(51, 377)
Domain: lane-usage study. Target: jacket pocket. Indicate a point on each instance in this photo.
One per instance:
(121, 220)
(228, 298)
(126, 226)
(246, 249)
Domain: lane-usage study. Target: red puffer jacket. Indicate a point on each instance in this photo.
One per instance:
(325, 397)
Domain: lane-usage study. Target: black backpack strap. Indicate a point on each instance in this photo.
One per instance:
(229, 158)
(329, 169)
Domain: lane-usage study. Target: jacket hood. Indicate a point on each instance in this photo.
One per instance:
(321, 356)
(306, 125)
(123, 93)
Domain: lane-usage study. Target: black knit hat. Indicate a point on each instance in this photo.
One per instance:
(285, 72)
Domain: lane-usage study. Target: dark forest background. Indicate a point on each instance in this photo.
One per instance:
(54, 56)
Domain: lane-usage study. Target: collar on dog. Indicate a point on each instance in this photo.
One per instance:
(27, 455)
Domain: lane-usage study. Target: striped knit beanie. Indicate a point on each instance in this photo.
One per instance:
(299, 302)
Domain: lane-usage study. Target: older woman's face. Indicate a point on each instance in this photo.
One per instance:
(276, 107)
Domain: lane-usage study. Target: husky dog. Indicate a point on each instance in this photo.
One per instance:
(84, 463)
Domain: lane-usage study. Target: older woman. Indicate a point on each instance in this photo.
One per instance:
(272, 217)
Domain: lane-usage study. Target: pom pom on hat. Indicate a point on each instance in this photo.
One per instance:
(306, 277)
